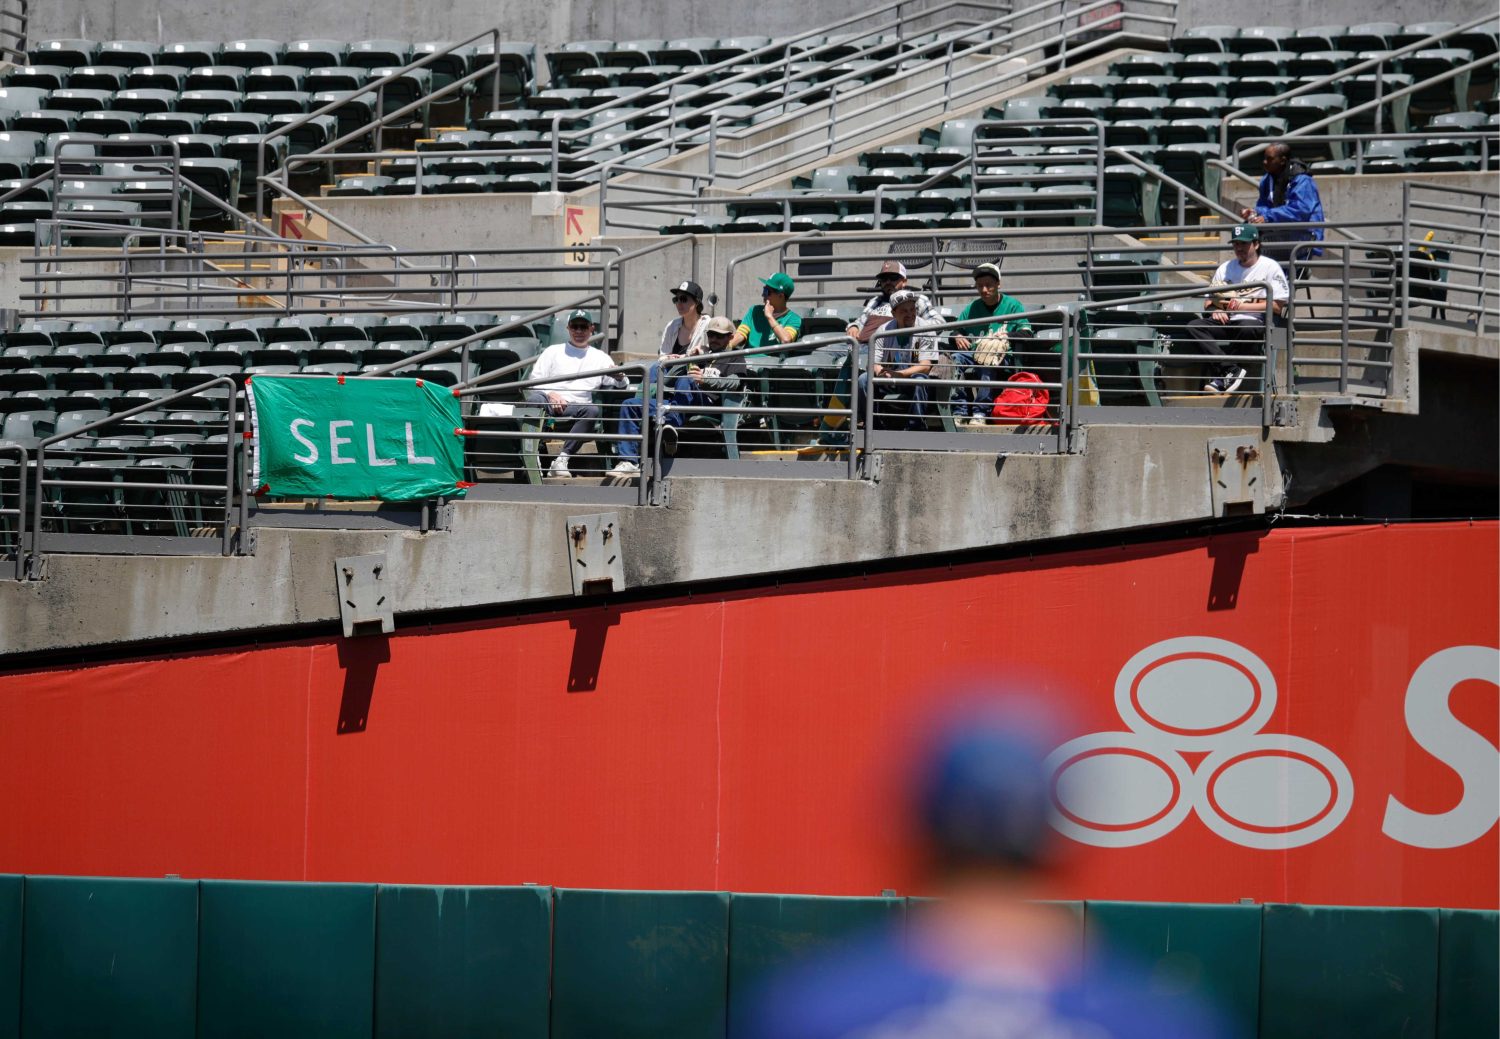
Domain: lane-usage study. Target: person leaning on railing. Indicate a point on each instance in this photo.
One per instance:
(983, 353)
(1288, 195)
(1239, 317)
(688, 386)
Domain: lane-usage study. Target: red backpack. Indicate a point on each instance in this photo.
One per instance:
(1021, 404)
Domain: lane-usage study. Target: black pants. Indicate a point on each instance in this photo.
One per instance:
(1210, 337)
(585, 414)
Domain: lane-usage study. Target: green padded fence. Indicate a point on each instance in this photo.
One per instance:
(10, 955)
(286, 960)
(768, 932)
(1201, 952)
(639, 963)
(1468, 966)
(462, 961)
(108, 957)
(1330, 970)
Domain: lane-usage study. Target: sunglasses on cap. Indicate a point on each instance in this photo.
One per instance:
(720, 335)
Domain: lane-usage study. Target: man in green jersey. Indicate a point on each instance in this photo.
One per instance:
(973, 405)
(772, 321)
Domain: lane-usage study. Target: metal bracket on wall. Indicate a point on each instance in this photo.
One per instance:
(1236, 476)
(1284, 411)
(365, 592)
(596, 554)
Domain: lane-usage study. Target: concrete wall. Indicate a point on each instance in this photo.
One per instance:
(562, 20)
(499, 552)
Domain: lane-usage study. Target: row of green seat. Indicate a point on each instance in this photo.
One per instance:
(235, 958)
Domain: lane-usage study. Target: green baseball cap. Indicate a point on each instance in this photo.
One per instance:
(581, 314)
(1245, 233)
(780, 282)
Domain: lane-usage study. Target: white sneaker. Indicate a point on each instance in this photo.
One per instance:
(559, 467)
(1226, 383)
(976, 422)
(625, 468)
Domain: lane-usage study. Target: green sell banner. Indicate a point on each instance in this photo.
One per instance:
(337, 437)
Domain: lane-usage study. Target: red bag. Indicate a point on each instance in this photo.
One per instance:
(1021, 404)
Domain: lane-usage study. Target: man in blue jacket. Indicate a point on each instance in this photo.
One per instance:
(1287, 196)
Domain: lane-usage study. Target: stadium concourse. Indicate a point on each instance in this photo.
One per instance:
(486, 509)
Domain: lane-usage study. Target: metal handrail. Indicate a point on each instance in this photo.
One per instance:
(869, 27)
(231, 415)
(1487, 254)
(646, 485)
(951, 53)
(16, 50)
(462, 345)
(1268, 323)
(1332, 78)
(308, 261)
(378, 86)
(19, 512)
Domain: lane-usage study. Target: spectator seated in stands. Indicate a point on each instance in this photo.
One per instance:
(984, 351)
(572, 398)
(900, 351)
(1239, 317)
(772, 321)
(700, 386)
(1288, 195)
(890, 280)
(684, 333)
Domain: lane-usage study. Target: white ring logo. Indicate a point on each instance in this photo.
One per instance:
(1260, 790)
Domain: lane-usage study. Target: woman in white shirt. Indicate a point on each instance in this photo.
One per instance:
(684, 333)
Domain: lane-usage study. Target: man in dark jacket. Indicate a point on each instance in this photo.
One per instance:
(1287, 196)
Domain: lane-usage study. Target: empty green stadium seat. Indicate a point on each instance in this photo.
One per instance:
(1261, 38)
(1370, 36)
(1205, 39)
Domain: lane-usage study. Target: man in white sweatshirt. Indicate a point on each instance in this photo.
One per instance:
(572, 364)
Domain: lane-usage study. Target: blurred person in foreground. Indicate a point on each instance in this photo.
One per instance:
(981, 960)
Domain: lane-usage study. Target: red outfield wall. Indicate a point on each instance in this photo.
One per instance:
(1304, 715)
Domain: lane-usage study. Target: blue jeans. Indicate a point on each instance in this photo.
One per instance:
(979, 399)
(682, 393)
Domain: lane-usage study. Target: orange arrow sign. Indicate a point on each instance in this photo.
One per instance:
(574, 222)
(290, 228)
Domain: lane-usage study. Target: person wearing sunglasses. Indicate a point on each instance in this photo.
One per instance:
(684, 333)
(700, 385)
(890, 280)
(573, 364)
(771, 321)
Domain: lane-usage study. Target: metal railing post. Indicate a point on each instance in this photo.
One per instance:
(650, 438)
(1068, 386)
(1406, 254)
(855, 454)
